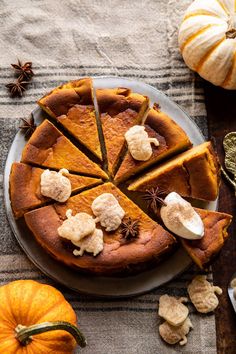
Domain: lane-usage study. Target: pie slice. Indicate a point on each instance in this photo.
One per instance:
(194, 173)
(172, 140)
(118, 255)
(25, 192)
(72, 105)
(48, 147)
(119, 109)
(204, 250)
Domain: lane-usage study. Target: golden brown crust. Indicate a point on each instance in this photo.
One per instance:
(194, 173)
(118, 255)
(72, 105)
(119, 110)
(48, 147)
(203, 251)
(62, 98)
(24, 184)
(172, 140)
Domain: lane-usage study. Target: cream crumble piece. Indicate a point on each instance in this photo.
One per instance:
(76, 227)
(91, 244)
(55, 185)
(108, 211)
(203, 294)
(139, 144)
(173, 335)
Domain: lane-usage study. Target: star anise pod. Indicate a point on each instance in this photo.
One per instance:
(17, 88)
(153, 196)
(24, 70)
(129, 229)
(157, 107)
(28, 126)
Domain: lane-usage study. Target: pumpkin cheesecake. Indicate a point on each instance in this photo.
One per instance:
(171, 137)
(203, 251)
(48, 147)
(25, 191)
(151, 243)
(119, 110)
(72, 105)
(194, 173)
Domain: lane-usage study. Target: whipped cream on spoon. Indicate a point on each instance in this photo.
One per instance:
(179, 216)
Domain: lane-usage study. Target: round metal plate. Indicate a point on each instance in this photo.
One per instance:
(96, 285)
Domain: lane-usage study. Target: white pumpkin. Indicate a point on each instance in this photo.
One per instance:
(207, 40)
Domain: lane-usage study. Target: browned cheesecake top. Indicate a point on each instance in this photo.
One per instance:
(152, 242)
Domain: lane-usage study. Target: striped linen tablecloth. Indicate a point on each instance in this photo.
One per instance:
(69, 39)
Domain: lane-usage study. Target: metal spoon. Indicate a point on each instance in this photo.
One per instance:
(231, 292)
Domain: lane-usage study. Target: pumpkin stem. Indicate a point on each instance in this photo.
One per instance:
(231, 33)
(24, 334)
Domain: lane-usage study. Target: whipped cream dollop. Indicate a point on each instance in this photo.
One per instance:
(55, 185)
(233, 285)
(108, 211)
(76, 227)
(179, 216)
(139, 144)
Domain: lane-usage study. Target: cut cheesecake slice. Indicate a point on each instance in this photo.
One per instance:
(119, 110)
(118, 255)
(204, 250)
(25, 192)
(72, 105)
(172, 140)
(48, 147)
(194, 173)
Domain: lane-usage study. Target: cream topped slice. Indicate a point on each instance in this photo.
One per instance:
(139, 144)
(55, 185)
(179, 216)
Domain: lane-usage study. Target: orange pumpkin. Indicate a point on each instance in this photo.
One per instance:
(36, 319)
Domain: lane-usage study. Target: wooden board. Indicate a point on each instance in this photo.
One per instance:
(221, 113)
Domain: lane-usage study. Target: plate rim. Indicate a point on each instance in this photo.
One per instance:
(10, 217)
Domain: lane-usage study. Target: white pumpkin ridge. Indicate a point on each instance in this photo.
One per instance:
(207, 40)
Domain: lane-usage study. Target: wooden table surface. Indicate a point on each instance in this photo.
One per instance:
(221, 113)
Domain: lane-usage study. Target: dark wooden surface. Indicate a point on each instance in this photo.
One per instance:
(221, 113)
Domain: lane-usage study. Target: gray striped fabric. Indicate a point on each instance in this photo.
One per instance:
(69, 39)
